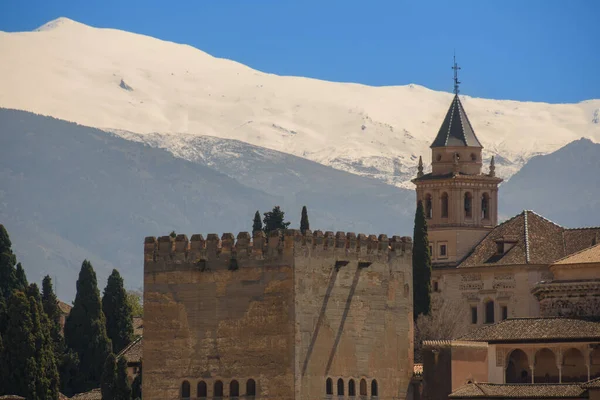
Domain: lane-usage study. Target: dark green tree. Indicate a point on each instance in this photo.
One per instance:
(50, 304)
(304, 225)
(136, 386)
(109, 378)
(421, 259)
(257, 224)
(134, 298)
(274, 220)
(68, 371)
(85, 331)
(47, 382)
(173, 234)
(117, 310)
(21, 283)
(8, 278)
(122, 387)
(20, 370)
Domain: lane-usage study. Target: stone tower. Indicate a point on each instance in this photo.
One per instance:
(460, 202)
(300, 316)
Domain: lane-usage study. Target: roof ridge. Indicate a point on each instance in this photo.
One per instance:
(452, 106)
(582, 228)
(546, 219)
(577, 252)
(526, 238)
(130, 345)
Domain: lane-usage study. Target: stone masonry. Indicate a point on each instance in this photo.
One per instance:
(298, 315)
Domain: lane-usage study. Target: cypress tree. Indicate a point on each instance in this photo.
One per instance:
(421, 259)
(21, 283)
(109, 378)
(19, 367)
(304, 225)
(68, 371)
(47, 382)
(274, 220)
(257, 224)
(122, 387)
(136, 386)
(85, 331)
(117, 310)
(8, 278)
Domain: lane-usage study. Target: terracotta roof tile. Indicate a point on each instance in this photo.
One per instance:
(518, 391)
(594, 383)
(589, 255)
(93, 394)
(538, 241)
(11, 397)
(138, 326)
(64, 307)
(536, 329)
(133, 352)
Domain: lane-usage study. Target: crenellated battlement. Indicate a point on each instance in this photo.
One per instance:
(279, 248)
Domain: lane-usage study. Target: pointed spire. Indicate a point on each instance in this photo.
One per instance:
(420, 168)
(492, 167)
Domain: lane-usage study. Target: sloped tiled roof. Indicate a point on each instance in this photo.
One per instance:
(93, 394)
(536, 329)
(538, 241)
(11, 397)
(64, 307)
(133, 352)
(589, 255)
(456, 130)
(594, 383)
(138, 326)
(519, 391)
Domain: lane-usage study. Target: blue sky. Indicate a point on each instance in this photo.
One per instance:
(533, 50)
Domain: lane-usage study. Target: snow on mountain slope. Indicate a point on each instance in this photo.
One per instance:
(117, 80)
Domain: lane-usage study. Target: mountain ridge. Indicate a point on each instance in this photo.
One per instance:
(377, 132)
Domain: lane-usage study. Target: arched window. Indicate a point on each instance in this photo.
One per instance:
(363, 387)
(573, 367)
(595, 363)
(546, 370)
(485, 206)
(468, 205)
(218, 389)
(202, 389)
(234, 389)
(428, 207)
(489, 312)
(517, 368)
(444, 205)
(374, 388)
(185, 390)
(340, 387)
(329, 386)
(250, 387)
(351, 388)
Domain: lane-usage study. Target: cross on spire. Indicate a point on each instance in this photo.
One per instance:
(456, 81)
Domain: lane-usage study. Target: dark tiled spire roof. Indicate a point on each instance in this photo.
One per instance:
(456, 130)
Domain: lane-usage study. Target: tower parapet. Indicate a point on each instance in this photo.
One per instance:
(216, 253)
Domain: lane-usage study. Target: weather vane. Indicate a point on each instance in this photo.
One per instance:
(456, 81)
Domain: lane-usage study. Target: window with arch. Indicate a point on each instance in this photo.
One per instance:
(250, 387)
(517, 368)
(546, 369)
(573, 366)
(329, 386)
(202, 389)
(351, 388)
(340, 387)
(234, 389)
(363, 387)
(218, 389)
(374, 388)
(185, 390)
(428, 206)
(468, 205)
(485, 206)
(444, 205)
(489, 312)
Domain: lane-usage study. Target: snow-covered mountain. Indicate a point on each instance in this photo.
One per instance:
(120, 81)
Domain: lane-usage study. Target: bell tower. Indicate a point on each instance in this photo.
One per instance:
(460, 201)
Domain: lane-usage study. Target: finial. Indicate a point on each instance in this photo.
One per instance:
(492, 167)
(420, 168)
(456, 81)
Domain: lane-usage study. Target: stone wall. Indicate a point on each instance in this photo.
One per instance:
(286, 313)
